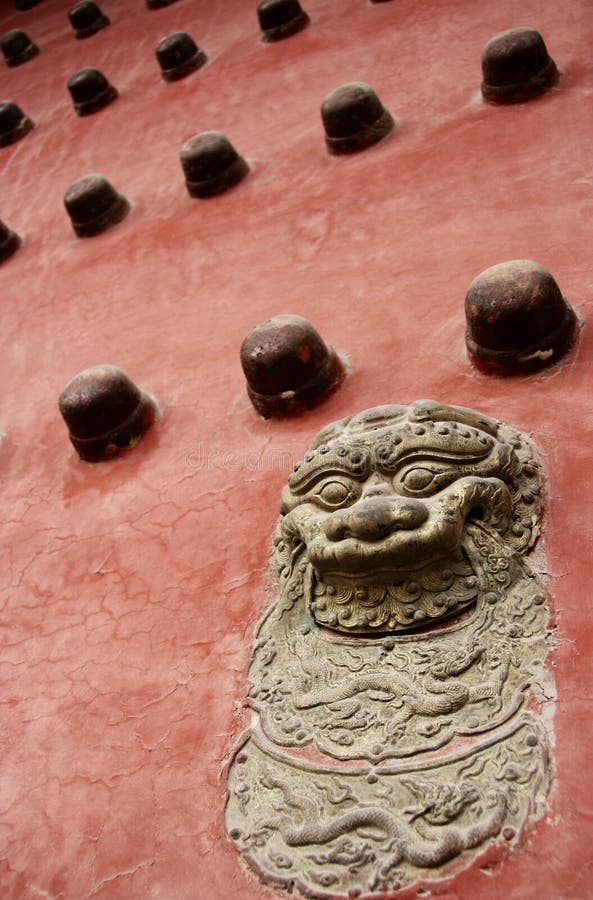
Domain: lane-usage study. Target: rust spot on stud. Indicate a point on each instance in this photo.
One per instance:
(105, 412)
(288, 366)
(178, 55)
(94, 205)
(517, 319)
(516, 66)
(354, 118)
(280, 19)
(9, 242)
(211, 164)
(87, 19)
(90, 91)
(14, 124)
(17, 47)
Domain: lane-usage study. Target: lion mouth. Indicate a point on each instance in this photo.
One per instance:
(397, 601)
(353, 563)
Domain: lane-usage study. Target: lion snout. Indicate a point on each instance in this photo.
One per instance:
(375, 518)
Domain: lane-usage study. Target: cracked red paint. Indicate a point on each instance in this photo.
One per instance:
(130, 589)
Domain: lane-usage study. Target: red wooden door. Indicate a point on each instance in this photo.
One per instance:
(131, 588)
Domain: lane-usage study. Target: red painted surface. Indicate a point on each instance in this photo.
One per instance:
(131, 588)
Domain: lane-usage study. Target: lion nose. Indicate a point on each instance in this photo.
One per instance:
(374, 518)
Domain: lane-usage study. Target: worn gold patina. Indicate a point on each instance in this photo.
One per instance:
(398, 679)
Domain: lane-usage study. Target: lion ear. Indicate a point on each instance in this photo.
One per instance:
(525, 481)
(522, 473)
(282, 552)
(288, 546)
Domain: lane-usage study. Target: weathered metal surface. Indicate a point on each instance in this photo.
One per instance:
(25, 4)
(178, 55)
(158, 4)
(105, 412)
(516, 66)
(211, 164)
(14, 124)
(288, 366)
(279, 19)
(9, 242)
(90, 91)
(17, 47)
(354, 118)
(398, 519)
(517, 319)
(94, 205)
(87, 19)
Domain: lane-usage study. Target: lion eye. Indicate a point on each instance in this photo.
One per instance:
(334, 493)
(418, 479)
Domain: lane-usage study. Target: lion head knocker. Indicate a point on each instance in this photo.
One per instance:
(382, 506)
(397, 679)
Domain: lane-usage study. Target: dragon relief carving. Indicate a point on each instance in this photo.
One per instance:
(397, 680)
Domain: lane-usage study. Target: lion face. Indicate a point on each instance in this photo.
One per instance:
(384, 498)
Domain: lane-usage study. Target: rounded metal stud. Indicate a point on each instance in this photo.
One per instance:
(14, 124)
(354, 118)
(178, 55)
(9, 242)
(90, 91)
(17, 47)
(517, 318)
(105, 412)
(279, 19)
(87, 19)
(288, 366)
(211, 164)
(94, 205)
(516, 66)
(25, 4)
